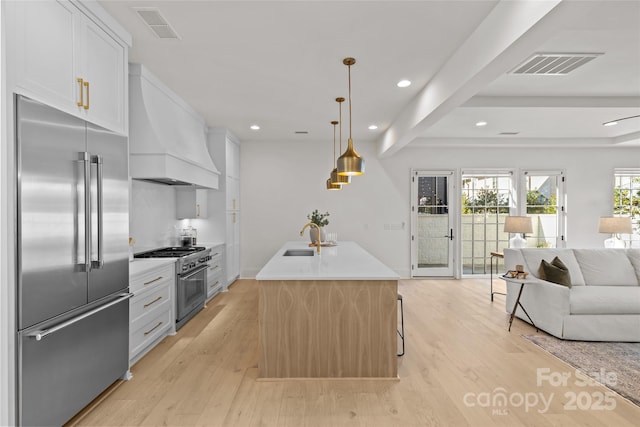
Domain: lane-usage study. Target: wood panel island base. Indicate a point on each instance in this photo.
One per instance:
(327, 316)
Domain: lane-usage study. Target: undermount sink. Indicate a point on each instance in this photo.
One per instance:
(298, 252)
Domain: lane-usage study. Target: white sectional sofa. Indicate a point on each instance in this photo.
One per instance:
(602, 303)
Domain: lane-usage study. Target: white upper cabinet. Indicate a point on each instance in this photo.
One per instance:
(44, 49)
(191, 202)
(60, 56)
(103, 70)
(232, 161)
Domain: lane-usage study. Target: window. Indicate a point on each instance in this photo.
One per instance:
(543, 198)
(626, 202)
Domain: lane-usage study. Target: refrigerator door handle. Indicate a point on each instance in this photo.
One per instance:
(99, 263)
(39, 335)
(85, 263)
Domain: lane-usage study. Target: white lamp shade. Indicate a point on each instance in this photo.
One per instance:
(615, 225)
(518, 224)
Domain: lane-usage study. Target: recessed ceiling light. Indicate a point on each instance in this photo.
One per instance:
(482, 123)
(373, 127)
(610, 123)
(404, 83)
(254, 127)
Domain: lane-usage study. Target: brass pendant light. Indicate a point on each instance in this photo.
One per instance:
(330, 184)
(335, 178)
(350, 163)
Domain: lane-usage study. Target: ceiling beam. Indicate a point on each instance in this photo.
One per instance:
(553, 102)
(507, 36)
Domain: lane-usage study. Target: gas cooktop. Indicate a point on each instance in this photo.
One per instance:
(170, 252)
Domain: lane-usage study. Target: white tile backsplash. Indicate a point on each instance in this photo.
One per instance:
(153, 222)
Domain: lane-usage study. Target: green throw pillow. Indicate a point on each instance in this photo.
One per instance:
(556, 272)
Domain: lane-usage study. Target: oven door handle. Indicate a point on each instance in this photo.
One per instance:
(194, 272)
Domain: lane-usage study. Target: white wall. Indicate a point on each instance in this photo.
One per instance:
(284, 181)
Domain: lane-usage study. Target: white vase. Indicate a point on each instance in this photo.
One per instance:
(313, 234)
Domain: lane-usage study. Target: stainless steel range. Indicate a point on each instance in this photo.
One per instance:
(191, 278)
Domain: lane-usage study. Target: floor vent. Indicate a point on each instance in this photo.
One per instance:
(156, 22)
(554, 64)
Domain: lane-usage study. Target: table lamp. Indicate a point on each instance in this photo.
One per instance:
(518, 225)
(615, 225)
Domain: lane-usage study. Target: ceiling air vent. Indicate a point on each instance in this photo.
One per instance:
(156, 22)
(554, 63)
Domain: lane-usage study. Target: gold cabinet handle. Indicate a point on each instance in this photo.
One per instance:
(81, 102)
(198, 211)
(152, 302)
(151, 281)
(86, 106)
(153, 329)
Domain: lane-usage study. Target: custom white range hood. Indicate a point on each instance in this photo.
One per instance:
(167, 138)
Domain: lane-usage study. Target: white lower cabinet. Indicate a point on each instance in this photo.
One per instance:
(151, 310)
(215, 272)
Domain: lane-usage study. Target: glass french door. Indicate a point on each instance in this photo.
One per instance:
(543, 197)
(432, 224)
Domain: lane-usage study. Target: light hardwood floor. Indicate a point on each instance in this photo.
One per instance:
(458, 352)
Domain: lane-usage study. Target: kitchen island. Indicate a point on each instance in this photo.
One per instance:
(327, 315)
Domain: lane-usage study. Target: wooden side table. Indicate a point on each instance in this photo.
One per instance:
(522, 283)
(497, 256)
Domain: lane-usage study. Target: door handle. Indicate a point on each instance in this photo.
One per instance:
(81, 102)
(99, 263)
(86, 106)
(450, 235)
(85, 265)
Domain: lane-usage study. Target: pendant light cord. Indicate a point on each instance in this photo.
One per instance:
(340, 121)
(334, 160)
(349, 101)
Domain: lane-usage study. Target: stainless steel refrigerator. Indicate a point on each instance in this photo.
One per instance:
(72, 262)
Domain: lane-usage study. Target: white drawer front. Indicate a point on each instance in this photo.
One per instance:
(152, 279)
(149, 329)
(147, 302)
(214, 269)
(214, 283)
(216, 254)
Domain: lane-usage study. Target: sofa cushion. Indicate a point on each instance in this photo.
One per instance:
(606, 267)
(533, 257)
(605, 300)
(634, 257)
(555, 272)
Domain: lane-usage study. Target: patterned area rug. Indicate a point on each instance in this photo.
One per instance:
(623, 359)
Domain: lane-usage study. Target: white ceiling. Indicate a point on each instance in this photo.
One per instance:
(279, 64)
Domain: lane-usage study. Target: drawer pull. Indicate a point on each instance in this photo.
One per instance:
(213, 267)
(151, 281)
(153, 329)
(214, 284)
(153, 302)
(215, 255)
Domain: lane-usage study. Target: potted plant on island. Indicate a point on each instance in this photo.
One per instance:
(319, 219)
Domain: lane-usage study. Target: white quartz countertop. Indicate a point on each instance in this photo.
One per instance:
(346, 261)
(139, 266)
